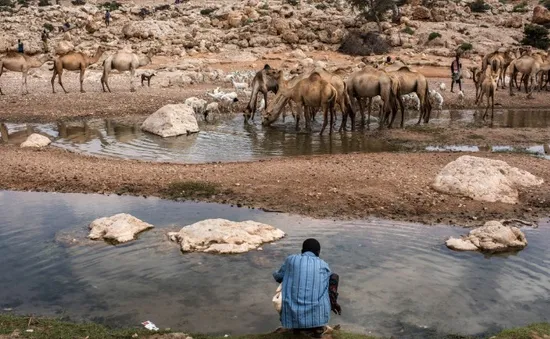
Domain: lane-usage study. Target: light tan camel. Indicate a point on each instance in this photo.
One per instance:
(122, 62)
(310, 93)
(74, 61)
(18, 62)
(488, 88)
(499, 61)
(413, 82)
(529, 67)
(264, 82)
(477, 76)
(369, 83)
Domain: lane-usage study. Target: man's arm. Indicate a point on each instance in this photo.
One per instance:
(280, 274)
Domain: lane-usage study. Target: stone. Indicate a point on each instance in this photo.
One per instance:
(36, 140)
(63, 47)
(484, 179)
(290, 37)
(224, 236)
(421, 13)
(541, 15)
(516, 21)
(119, 228)
(172, 120)
(234, 19)
(298, 54)
(198, 105)
(491, 237)
(438, 15)
(147, 29)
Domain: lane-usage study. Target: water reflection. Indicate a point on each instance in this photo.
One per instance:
(395, 277)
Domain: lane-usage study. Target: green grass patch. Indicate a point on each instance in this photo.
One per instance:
(521, 7)
(434, 35)
(407, 30)
(540, 330)
(466, 46)
(191, 189)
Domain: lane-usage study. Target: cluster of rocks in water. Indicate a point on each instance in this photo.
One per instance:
(260, 26)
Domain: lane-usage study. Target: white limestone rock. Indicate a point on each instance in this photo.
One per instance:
(224, 236)
(172, 120)
(36, 140)
(491, 237)
(484, 179)
(118, 228)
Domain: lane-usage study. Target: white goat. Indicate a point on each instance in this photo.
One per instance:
(239, 86)
(411, 101)
(442, 87)
(436, 99)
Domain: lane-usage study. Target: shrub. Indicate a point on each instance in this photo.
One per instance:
(407, 30)
(545, 3)
(520, 8)
(321, 6)
(373, 9)
(48, 27)
(293, 2)
(207, 11)
(43, 3)
(466, 46)
(536, 36)
(111, 6)
(479, 6)
(364, 44)
(6, 3)
(433, 35)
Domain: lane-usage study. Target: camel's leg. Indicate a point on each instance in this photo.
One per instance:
(325, 118)
(361, 109)
(53, 79)
(492, 107)
(488, 104)
(512, 79)
(105, 80)
(332, 116)
(149, 81)
(297, 117)
(132, 74)
(307, 117)
(59, 80)
(25, 83)
(82, 70)
(1, 71)
(421, 115)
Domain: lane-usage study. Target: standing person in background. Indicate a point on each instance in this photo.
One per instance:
(45, 40)
(20, 48)
(456, 71)
(107, 18)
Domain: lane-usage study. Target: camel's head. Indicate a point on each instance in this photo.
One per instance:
(274, 109)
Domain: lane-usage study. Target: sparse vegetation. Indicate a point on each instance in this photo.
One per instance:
(207, 11)
(111, 6)
(48, 27)
(434, 35)
(6, 3)
(521, 7)
(356, 43)
(191, 189)
(536, 36)
(466, 46)
(407, 30)
(373, 9)
(545, 3)
(479, 6)
(43, 3)
(321, 6)
(293, 2)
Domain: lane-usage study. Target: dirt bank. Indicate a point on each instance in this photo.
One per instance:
(341, 186)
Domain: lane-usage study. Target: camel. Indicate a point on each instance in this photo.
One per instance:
(122, 62)
(369, 83)
(311, 92)
(529, 67)
(17, 62)
(478, 76)
(488, 88)
(499, 61)
(74, 61)
(413, 82)
(264, 82)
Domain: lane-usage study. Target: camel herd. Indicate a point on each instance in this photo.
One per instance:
(318, 89)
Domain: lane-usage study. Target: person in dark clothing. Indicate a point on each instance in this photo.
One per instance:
(45, 40)
(20, 47)
(456, 71)
(107, 18)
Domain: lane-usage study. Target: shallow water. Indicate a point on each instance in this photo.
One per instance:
(396, 278)
(229, 139)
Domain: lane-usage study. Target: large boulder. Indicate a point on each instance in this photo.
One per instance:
(421, 13)
(63, 47)
(224, 236)
(484, 179)
(491, 237)
(36, 140)
(172, 120)
(541, 15)
(118, 228)
(147, 29)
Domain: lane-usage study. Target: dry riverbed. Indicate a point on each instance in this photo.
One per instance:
(388, 185)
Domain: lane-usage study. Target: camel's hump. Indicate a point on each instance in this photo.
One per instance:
(405, 69)
(315, 76)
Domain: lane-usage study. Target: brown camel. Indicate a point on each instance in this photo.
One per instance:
(74, 61)
(311, 92)
(369, 83)
(413, 82)
(529, 67)
(488, 88)
(477, 76)
(18, 62)
(499, 61)
(264, 82)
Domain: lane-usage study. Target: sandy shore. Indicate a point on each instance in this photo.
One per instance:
(386, 185)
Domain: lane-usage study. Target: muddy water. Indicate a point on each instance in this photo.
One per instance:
(396, 278)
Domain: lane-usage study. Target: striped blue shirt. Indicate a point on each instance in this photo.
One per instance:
(306, 302)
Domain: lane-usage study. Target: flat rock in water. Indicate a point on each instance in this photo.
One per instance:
(224, 236)
(36, 140)
(484, 179)
(171, 121)
(118, 228)
(491, 237)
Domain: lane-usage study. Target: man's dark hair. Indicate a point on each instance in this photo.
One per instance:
(311, 245)
(267, 66)
(388, 59)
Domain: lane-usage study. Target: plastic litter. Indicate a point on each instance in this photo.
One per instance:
(150, 326)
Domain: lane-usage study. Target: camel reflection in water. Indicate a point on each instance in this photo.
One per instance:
(15, 137)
